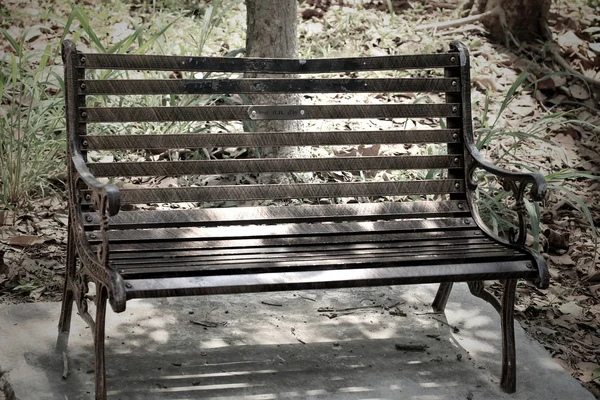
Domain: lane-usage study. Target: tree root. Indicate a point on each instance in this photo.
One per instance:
(460, 21)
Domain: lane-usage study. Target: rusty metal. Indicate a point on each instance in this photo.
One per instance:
(354, 232)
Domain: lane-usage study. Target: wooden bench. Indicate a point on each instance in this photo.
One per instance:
(372, 212)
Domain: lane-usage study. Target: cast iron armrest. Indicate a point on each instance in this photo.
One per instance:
(539, 185)
(104, 195)
(516, 182)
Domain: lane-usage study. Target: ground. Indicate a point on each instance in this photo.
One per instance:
(549, 123)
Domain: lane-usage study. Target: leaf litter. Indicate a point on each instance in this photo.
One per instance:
(566, 317)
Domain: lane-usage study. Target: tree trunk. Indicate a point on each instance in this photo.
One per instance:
(271, 33)
(514, 20)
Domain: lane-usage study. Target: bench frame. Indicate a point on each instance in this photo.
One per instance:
(110, 286)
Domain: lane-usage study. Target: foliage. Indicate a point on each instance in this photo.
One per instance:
(31, 123)
(494, 202)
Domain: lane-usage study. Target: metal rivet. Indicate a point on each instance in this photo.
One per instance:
(461, 206)
(456, 159)
(82, 86)
(84, 143)
(82, 60)
(128, 285)
(88, 197)
(93, 236)
(454, 109)
(253, 112)
(83, 114)
(457, 185)
(301, 112)
(529, 265)
(455, 136)
(88, 218)
(453, 83)
(452, 59)
(467, 221)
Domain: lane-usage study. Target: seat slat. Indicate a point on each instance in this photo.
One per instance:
(288, 191)
(282, 112)
(165, 253)
(395, 249)
(263, 139)
(220, 86)
(348, 261)
(275, 215)
(266, 65)
(284, 230)
(340, 239)
(251, 165)
(377, 274)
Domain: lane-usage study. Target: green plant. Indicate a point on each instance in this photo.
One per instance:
(494, 202)
(31, 123)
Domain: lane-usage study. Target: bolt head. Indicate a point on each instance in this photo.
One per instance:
(457, 185)
(82, 86)
(88, 197)
(454, 109)
(82, 59)
(453, 59)
(461, 206)
(84, 143)
(88, 219)
(83, 114)
(456, 159)
(454, 83)
(455, 136)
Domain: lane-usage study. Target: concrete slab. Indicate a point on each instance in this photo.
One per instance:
(277, 346)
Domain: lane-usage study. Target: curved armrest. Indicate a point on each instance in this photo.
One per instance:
(539, 185)
(103, 190)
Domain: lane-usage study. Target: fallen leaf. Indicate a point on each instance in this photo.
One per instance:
(586, 369)
(579, 92)
(565, 259)
(571, 308)
(25, 240)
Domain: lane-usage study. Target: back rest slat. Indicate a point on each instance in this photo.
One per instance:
(286, 191)
(263, 112)
(278, 66)
(281, 165)
(219, 86)
(261, 139)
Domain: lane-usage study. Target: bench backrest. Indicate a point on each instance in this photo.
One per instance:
(361, 114)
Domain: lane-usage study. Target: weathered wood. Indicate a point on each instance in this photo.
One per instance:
(261, 139)
(283, 112)
(293, 191)
(230, 86)
(265, 66)
(241, 166)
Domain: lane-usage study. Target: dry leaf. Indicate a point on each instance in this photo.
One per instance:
(571, 308)
(579, 92)
(586, 369)
(569, 41)
(25, 240)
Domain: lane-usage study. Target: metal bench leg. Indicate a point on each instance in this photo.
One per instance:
(477, 289)
(441, 297)
(99, 369)
(64, 322)
(508, 381)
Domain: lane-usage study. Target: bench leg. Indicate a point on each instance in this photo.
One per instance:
(99, 369)
(477, 289)
(508, 381)
(64, 322)
(441, 297)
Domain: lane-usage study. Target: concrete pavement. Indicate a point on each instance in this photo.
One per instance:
(278, 346)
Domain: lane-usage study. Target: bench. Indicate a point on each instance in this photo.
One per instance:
(197, 210)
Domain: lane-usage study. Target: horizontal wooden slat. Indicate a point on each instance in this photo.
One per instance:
(409, 238)
(284, 230)
(306, 262)
(274, 215)
(235, 113)
(299, 191)
(372, 274)
(253, 165)
(262, 139)
(296, 66)
(137, 257)
(222, 86)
